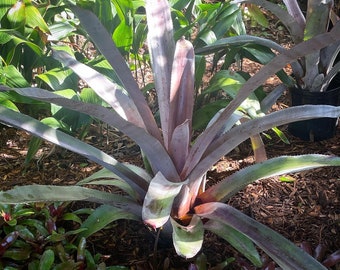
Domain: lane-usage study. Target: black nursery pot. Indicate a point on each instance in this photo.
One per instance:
(315, 129)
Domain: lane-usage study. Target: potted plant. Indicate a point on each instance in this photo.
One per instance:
(314, 72)
(169, 194)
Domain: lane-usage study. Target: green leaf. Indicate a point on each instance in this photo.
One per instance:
(17, 254)
(46, 193)
(61, 30)
(72, 217)
(109, 91)
(5, 5)
(13, 77)
(8, 104)
(106, 177)
(272, 167)
(238, 240)
(105, 45)
(101, 217)
(284, 252)
(16, 15)
(33, 147)
(46, 260)
(258, 15)
(204, 114)
(188, 239)
(34, 18)
(158, 200)
(59, 79)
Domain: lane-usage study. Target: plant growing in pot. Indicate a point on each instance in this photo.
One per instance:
(170, 194)
(312, 73)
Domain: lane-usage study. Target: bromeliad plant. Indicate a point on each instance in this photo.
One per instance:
(170, 193)
(313, 72)
(44, 236)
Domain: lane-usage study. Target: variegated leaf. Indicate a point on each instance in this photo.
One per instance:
(159, 199)
(188, 239)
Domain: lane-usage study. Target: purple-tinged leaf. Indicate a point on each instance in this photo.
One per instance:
(332, 259)
(8, 241)
(238, 240)
(48, 193)
(284, 252)
(192, 267)
(229, 186)
(154, 150)
(159, 199)
(204, 140)
(182, 86)
(106, 89)
(182, 204)
(295, 11)
(306, 247)
(179, 144)
(270, 266)
(257, 145)
(238, 134)
(106, 46)
(319, 252)
(188, 239)
(162, 47)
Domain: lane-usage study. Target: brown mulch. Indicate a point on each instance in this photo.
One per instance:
(304, 210)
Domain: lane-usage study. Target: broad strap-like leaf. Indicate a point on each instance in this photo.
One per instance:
(293, 24)
(103, 216)
(330, 75)
(245, 40)
(105, 45)
(162, 47)
(238, 240)
(227, 142)
(295, 11)
(204, 140)
(47, 193)
(281, 250)
(106, 89)
(182, 87)
(225, 189)
(179, 144)
(317, 17)
(59, 138)
(188, 239)
(154, 150)
(109, 178)
(240, 40)
(159, 199)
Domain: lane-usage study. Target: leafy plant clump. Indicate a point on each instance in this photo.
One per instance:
(313, 72)
(169, 194)
(44, 236)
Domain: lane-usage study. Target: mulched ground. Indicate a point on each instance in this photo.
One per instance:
(305, 210)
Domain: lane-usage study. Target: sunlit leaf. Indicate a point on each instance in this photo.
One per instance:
(238, 240)
(158, 200)
(101, 217)
(34, 18)
(272, 167)
(188, 239)
(284, 252)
